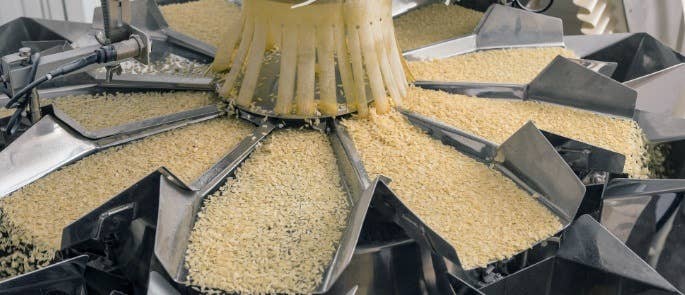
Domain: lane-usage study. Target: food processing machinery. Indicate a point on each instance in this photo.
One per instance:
(135, 243)
(23, 71)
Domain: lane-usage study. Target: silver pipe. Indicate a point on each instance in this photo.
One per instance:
(64, 10)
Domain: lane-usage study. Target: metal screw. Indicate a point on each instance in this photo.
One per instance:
(25, 52)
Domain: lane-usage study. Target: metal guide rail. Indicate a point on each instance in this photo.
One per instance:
(135, 243)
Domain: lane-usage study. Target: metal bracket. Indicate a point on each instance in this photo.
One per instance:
(114, 221)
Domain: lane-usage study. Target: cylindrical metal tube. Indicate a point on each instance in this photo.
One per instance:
(129, 48)
(34, 106)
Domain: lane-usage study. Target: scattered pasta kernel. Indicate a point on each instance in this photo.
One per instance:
(275, 227)
(497, 119)
(170, 65)
(434, 23)
(518, 66)
(34, 216)
(484, 215)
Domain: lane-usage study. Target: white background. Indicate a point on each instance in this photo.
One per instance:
(661, 18)
(73, 10)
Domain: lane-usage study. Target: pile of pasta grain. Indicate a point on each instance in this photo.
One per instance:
(434, 23)
(95, 112)
(276, 226)
(518, 66)
(484, 215)
(34, 216)
(205, 20)
(6, 112)
(497, 119)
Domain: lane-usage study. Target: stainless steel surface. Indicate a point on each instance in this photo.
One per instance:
(501, 27)
(530, 157)
(147, 16)
(19, 76)
(389, 268)
(144, 44)
(445, 49)
(660, 92)
(95, 82)
(535, 5)
(17, 72)
(612, 255)
(524, 29)
(585, 45)
(488, 90)
(604, 68)
(143, 125)
(567, 83)
(126, 222)
(637, 54)
(590, 260)
(349, 161)
(660, 128)
(34, 106)
(627, 200)
(154, 82)
(400, 7)
(158, 285)
(636, 187)
(116, 14)
(46, 146)
(27, 29)
(647, 215)
(586, 158)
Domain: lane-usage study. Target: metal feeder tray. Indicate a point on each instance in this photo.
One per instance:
(57, 140)
(549, 177)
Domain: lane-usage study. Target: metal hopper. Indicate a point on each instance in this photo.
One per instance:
(590, 260)
(552, 179)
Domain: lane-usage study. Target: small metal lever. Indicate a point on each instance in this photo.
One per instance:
(114, 221)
